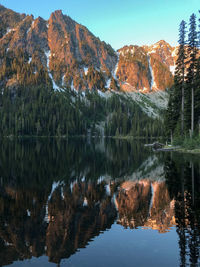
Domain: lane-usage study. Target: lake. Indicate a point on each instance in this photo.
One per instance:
(97, 203)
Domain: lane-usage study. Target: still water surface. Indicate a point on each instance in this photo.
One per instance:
(108, 203)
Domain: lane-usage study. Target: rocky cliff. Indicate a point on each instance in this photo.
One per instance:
(146, 68)
(74, 58)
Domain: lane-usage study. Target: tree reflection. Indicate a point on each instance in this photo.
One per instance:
(57, 196)
(187, 207)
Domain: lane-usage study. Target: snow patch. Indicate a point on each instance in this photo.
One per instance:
(55, 87)
(175, 51)
(116, 68)
(101, 93)
(172, 69)
(108, 83)
(63, 80)
(8, 30)
(151, 72)
(32, 26)
(28, 30)
(47, 54)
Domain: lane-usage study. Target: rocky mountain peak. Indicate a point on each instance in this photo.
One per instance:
(76, 59)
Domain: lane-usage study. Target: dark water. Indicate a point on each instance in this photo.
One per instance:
(109, 203)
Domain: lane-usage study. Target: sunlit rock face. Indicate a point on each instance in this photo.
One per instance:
(147, 68)
(76, 59)
(146, 204)
(67, 49)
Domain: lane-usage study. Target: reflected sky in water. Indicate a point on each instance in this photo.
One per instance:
(102, 203)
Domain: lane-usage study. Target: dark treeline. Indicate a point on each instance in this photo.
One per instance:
(182, 178)
(30, 106)
(183, 113)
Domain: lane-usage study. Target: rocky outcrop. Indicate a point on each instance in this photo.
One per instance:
(8, 20)
(73, 57)
(147, 68)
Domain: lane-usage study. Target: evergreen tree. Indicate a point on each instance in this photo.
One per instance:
(175, 111)
(192, 52)
(179, 78)
(197, 87)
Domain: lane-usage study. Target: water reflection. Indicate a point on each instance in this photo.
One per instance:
(57, 196)
(146, 204)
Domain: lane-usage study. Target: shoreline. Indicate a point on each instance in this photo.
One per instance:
(180, 150)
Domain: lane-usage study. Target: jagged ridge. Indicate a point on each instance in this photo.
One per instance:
(76, 59)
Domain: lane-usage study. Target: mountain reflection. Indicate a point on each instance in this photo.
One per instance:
(146, 204)
(57, 196)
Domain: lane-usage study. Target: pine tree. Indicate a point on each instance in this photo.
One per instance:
(175, 110)
(192, 61)
(197, 86)
(179, 78)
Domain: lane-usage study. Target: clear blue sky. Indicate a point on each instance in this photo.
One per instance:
(118, 22)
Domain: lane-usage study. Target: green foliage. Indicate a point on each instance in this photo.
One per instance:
(39, 111)
(178, 141)
(191, 143)
(30, 106)
(126, 118)
(183, 113)
(187, 142)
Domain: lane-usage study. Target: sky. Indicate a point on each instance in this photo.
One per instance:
(118, 22)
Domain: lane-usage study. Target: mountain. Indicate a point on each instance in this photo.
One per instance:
(82, 83)
(72, 55)
(75, 58)
(146, 68)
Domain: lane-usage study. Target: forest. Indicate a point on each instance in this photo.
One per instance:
(33, 108)
(182, 118)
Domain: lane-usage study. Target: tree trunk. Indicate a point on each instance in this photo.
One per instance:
(182, 111)
(192, 112)
(171, 137)
(183, 100)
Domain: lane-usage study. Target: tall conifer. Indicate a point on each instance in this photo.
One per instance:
(179, 78)
(197, 86)
(192, 52)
